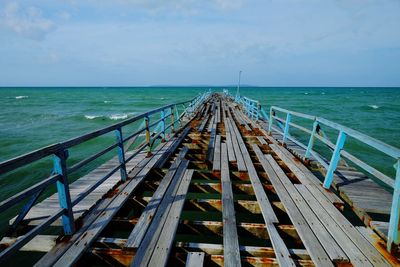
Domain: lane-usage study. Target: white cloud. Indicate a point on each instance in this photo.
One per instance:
(25, 21)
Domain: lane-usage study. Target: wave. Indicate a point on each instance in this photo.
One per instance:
(21, 97)
(374, 106)
(91, 117)
(106, 102)
(118, 116)
(111, 117)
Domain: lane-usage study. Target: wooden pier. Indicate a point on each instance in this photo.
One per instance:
(219, 190)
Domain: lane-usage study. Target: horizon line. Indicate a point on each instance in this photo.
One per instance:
(181, 86)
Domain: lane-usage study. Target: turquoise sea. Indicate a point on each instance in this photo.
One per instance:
(31, 118)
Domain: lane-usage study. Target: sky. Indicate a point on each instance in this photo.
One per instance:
(206, 42)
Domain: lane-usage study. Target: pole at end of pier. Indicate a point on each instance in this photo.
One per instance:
(238, 87)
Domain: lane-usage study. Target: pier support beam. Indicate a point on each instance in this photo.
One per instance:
(162, 126)
(335, 159)
(311, 141)
(393, 234)
(64, 197)
(121, 153)
(287, 125)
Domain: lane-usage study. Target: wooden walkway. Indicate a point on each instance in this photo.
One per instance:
(369, 201)
(219, 193)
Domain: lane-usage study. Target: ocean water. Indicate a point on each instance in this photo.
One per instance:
(31, 118)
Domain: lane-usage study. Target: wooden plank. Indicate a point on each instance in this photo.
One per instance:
(356, 256)
(262, 199)
(203, 124)
(211, 147)
(41, 211)
(304, 175)
(334, 251)
(40, 243)
(369, 251)
(173, 201)
(231, 243)
(195, 259)
(376, 241)
(229, 143)
(54, 254)
(217, 154)
(262, 140)
(136, 236)
(310, 241)
(235, 141)
(172, 148)
(167, 236)
(81, 244)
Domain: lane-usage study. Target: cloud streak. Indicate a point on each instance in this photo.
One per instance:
(28, 22)
(137, 42)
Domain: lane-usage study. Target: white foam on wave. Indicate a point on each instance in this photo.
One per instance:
(106, 101)
(118, 116)
(306, 93)
(21, 97)
(91, 117)
(373, 106)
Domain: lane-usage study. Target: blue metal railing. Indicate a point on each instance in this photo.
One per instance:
(61, 171)
(282, 126)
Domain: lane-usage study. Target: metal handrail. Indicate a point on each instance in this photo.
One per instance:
(338, 152)
(61, 171)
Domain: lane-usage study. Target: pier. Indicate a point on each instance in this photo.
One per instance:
(214, 181)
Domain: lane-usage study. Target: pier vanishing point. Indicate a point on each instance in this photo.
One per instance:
(214, 181)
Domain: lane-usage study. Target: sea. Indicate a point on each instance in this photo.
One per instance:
(34, 117)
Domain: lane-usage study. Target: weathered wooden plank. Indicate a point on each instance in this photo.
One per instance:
(334, 251)
(136, 236)
(217, 154)
(163, 247)
(54, 254)
(211, 147)
(356, 256)
(231, 243)
(262, 140)
(236, 147)
(171, 148)
(172, 202)
(310, 241)
(376, 241)
(195, 259)
(81, 244)
(369, 251)
(228, 136)
(305, 176)
(203, 124)
(41, 211)
(263, 201)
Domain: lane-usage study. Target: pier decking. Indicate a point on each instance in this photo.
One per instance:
(219, 191)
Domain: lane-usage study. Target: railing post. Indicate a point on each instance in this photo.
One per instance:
(311, 141)
(172, 120)
(393, 234)
(258, 110)
(248, 108)
(163, 125)
(147, 123)
(335, 159)
(286, 131)
(177, 115)
(64, 197)
(271, 120)
(121, 153)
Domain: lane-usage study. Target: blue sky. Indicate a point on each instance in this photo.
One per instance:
(188, 42)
